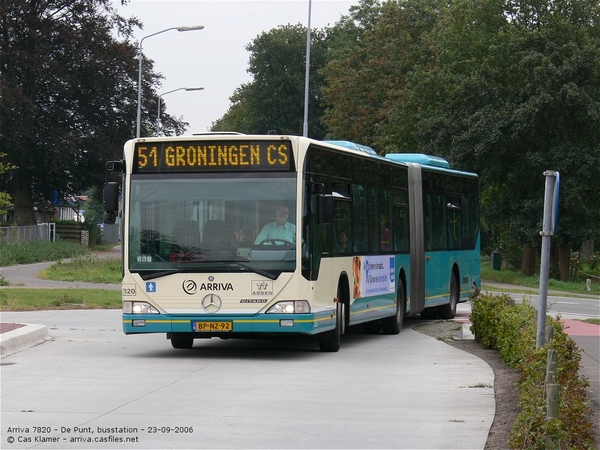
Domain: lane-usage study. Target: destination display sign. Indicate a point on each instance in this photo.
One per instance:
(212, 156)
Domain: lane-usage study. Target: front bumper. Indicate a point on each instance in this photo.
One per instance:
(307, 324)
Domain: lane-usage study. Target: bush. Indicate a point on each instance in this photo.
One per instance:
(511, 329)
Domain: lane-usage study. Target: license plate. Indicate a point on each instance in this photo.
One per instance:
(213, 326)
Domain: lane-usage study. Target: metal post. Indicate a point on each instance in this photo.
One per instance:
(307, 74)
(547, 232)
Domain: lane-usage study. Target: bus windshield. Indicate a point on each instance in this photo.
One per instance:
(212, 223)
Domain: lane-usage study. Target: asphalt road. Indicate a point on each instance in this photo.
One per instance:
(91, 382)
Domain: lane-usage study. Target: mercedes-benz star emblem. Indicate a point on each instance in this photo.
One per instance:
(211, 303)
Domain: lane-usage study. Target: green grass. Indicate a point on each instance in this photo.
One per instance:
(24, 299)
(517, 278)
(33, 252)
(86, 269)
(594, 321)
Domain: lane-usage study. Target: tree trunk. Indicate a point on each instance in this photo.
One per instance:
(587, 249)
(564, 260)
(23, 200)
(528, 261)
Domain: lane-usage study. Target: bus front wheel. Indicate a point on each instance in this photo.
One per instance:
(331, 343)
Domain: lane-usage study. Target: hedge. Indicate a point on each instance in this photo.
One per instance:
(501, 324)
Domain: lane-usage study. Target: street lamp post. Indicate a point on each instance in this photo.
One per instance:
(140, 57)
(199, 88)
(307, 74)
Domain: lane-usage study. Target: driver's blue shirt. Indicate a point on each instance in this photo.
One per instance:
(287, 232)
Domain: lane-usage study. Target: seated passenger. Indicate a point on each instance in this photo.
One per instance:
(281, 230)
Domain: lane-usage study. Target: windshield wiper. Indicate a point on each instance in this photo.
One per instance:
(148, 275)
(264, 273)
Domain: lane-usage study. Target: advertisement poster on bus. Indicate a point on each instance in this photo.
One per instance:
(373, 275)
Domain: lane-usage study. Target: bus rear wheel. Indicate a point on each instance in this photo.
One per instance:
(331, 343)
(183, 342)
(393, 325)
(449, 311)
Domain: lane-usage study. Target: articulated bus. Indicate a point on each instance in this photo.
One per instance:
(364, 239)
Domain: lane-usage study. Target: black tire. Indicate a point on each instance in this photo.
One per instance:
(331, 342)
(393, 325)
(448, 311)
(183, 342)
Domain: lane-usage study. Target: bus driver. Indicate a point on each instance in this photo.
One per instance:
(279, 232)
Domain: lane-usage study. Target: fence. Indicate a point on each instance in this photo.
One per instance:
(14, 235)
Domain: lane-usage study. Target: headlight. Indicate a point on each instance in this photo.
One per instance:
(139, 308)
(290, 307)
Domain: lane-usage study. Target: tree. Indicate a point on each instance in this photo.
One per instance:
(516, 89)
(503, 88)
(68, 94)
(274, 99)
(375, 50)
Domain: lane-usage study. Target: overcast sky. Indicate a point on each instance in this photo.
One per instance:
(214, 57)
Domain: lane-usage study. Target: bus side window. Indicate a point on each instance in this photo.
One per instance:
(453, 211)
(359, 211)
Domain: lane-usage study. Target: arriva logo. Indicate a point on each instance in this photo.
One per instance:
(190, 287)
(216, 287)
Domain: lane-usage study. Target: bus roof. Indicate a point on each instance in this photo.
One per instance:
(419, 158)
(354, 146)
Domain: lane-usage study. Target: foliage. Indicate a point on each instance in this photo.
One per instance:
(368, 71)
(68, 90)
(518, 92)
(591, 264)
(65, 222)
(511, 329)
(505, 89)
(572, 428)
(274, 99)
(32, 252)
(5, 197)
